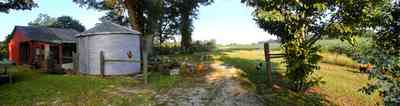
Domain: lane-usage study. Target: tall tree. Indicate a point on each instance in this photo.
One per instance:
(45, 20)
(300, 23)
(68, 22)
(385, 55)
(114, 17)
(188, 11)
(7, 5)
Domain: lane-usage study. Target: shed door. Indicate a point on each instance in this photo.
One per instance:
(24, 53)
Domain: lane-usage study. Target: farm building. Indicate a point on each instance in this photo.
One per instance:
(41, 46)
(116, 43)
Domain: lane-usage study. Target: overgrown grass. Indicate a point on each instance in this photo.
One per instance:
(161, 82)
(34, 88)
(338, 59)
(341, 87)
(272, 46)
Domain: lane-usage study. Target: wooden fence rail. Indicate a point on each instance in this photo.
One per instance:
(268, 57)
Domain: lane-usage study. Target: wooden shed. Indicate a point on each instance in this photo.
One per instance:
(109, 41)
(42, 46)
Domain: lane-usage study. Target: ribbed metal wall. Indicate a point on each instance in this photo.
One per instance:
(114, 46)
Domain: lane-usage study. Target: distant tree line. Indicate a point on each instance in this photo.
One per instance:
(45, 20)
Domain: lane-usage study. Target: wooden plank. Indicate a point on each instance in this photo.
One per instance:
(60, 54)
(75, 61)
(276, 54)
(268, 63)
(102, 63)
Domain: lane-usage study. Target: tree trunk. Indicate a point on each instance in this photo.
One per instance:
(135, 12)
(185, 32)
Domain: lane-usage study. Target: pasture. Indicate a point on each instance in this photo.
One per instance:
(340, 74)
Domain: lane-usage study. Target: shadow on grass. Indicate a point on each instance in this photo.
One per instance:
(282, 97)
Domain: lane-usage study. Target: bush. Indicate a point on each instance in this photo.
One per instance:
(197, 46)
(203, 46)
(344, 48)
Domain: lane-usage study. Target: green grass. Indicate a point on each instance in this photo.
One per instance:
(273, 46)
(161, 82)
(338, 59)
(34, 88)
(341, 87)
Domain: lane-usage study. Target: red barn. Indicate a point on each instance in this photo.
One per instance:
(40, 46)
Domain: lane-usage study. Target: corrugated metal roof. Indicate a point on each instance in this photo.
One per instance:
(45, 34)
(108, 28)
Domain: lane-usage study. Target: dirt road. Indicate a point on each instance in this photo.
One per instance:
(223, 86)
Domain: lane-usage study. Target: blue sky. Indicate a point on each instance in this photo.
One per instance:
(227, 21)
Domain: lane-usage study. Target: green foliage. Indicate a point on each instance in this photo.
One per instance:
(299, 24)
(68, 22)
(295, 22)
(360, 44)
(341, 83)
(385, 55)
(4, 47)
(197, 46)
(45, 20)
(188, 11)
(7, 5)
(301, 63)
(115, 18)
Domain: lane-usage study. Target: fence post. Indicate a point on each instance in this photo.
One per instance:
(75, 61)
(102, 63)
(268, 65)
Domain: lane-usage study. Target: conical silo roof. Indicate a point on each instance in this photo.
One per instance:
(108, 28)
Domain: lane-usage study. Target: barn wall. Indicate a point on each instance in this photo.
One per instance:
(114, 46)
(14, 45)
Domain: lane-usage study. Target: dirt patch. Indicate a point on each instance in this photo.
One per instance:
(223, 86)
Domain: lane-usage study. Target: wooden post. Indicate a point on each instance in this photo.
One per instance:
(30, 53)
(102, 63)
(60, 54)
(75, 61)
(268, 65)
(46, 56)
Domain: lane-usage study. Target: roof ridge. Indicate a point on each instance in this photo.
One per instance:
(123, 27)
(108, 28)
(47, 27)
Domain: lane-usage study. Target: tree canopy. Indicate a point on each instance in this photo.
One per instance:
(300, 23)
(68, 22)
(7, 5)
(385, 55)
(60, 22)
(188, 11)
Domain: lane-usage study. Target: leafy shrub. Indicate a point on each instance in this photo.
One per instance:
(197, 46)
(343, 47)
(203, 46)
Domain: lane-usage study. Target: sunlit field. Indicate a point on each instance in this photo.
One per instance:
(341, 87)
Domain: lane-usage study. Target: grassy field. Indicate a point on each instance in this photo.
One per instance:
(34, 88)
(340, 88)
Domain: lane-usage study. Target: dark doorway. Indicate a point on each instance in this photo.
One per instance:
(24, 52)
